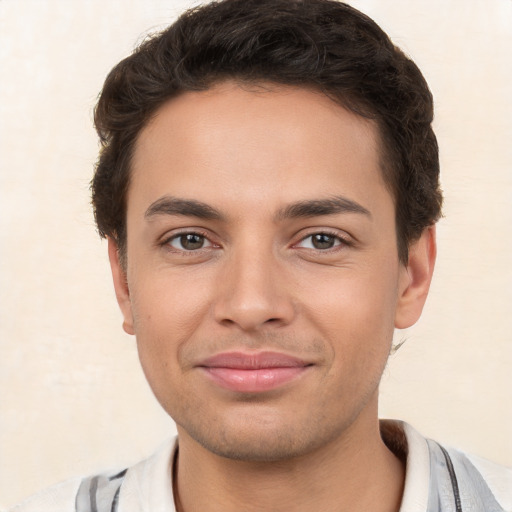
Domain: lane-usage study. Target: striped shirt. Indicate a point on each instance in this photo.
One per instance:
(437, 480)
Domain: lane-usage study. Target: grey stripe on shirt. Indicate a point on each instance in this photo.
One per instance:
(99, 493)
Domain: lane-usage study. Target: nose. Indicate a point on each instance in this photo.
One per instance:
(253, 292)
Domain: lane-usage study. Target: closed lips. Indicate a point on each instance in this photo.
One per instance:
(252, 373)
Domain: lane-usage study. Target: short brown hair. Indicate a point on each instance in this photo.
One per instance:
(321, 44)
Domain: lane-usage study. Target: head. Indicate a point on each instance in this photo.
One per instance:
(321, 45)
(268, 183)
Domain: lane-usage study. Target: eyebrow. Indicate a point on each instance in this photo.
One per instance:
(169, 205)
(319, 207)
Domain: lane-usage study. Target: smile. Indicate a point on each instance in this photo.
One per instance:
(253, 373)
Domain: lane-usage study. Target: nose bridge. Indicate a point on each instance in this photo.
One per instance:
(253, 292)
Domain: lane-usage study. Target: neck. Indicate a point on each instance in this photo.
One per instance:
(353, 473)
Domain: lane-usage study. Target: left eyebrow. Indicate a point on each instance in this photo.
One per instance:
(319, 207)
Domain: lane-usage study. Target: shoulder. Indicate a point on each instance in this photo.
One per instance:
(93, 493)
(480, 484)
(60, 497)
(481, 475)
(437, 477)
(144, 486)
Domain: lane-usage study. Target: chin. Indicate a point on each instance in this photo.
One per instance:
(260, 440)
(255, 447)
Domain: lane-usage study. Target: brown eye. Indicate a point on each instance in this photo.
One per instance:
(321, 241)
(189, 242)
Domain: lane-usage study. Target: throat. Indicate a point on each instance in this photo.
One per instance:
(347, 482)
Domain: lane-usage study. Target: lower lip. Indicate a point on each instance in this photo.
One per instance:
(254, 381)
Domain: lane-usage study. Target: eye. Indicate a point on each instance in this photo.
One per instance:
(189, 242)
(321, 241)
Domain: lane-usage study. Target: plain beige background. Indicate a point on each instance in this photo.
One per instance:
(72, 396)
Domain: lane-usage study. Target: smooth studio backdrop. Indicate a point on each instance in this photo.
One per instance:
(73, 399)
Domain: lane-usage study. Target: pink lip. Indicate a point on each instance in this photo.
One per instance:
(253, 373)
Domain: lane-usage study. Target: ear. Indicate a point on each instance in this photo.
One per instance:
(121, 286)
(415, 278)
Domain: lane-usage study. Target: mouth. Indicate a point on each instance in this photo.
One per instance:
(253, 373)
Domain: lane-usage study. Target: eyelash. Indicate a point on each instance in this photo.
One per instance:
(166, 242)
(343, 242)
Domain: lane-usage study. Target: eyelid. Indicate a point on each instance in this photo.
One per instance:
(206, 242)
(344, 239)
(168, 237)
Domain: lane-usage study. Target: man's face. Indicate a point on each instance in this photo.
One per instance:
(263, 281)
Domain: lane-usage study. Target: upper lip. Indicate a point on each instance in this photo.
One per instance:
(254, 361)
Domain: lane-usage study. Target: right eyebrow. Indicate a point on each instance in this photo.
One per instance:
(169, 205)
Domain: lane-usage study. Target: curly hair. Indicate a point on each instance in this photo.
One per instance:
(324, 45)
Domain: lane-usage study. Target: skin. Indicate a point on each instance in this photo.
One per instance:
(258, 283)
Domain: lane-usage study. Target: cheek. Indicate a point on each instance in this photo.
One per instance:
(167, 313)
(354, 293)
(165, 319)
(355, 314)
(161, 300)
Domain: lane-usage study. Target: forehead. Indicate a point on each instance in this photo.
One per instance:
(238, 141)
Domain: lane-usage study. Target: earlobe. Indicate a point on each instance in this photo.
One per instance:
(415, 279)
(120, 286)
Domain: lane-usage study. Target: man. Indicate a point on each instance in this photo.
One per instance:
(268, 185)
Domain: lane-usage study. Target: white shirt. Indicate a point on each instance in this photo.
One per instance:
(146, 487)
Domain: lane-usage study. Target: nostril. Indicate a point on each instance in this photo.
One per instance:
(251, 307)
